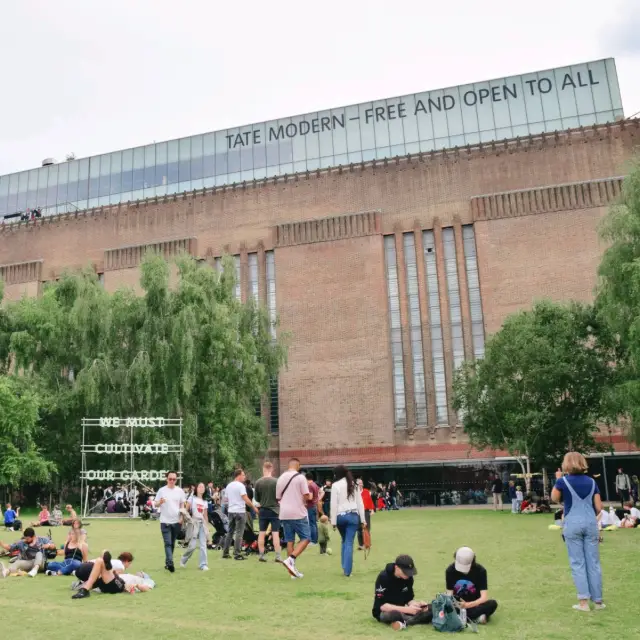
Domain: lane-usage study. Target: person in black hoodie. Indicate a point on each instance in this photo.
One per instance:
(394, 600)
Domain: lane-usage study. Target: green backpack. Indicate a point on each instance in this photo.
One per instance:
(445, 615)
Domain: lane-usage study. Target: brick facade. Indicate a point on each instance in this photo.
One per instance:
(534, 205)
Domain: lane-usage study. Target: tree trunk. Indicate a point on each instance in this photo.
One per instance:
(527, 478)
(545, 482)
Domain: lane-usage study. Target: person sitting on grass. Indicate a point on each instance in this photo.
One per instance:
(43, 517)
(76, 552)
(56, 517)
(466, 580)
(71, 516)
(10, 516)
(103, 576)
(393, 602)
(31, 554)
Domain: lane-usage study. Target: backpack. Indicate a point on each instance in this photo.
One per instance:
(445, 615)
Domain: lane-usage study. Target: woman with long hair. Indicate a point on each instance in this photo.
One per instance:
(197, 506)
(76, 552)
(347, 512)
(582, 504)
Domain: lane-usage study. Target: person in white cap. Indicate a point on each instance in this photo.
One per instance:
(467, 582)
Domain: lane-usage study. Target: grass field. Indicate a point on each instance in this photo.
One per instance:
(527, 565)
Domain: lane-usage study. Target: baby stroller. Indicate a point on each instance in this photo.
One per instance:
(220, 523)
(249, 538)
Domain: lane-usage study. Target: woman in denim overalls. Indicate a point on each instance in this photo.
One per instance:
(581, 528)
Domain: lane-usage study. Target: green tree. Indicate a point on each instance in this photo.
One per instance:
(21, 461)
(540, 389)
(618, 299)
(188, 349)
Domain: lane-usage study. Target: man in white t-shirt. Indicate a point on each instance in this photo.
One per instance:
(169, 500)
(238, 502)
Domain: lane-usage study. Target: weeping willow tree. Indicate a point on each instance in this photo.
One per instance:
(188, 350)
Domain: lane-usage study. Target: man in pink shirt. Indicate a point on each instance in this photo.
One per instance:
(292, 492)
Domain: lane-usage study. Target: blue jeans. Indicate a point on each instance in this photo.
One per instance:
(200, 537)
(584, 558)
(313, 523)
(348, 524)
(299, 526)
(65, 568)
(169, 536)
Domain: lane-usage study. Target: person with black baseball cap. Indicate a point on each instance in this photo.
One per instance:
(394, 602)
(467, 582)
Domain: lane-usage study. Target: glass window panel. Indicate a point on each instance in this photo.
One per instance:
(115, 185)
(441, 100)
(4, 194)
(246, 149)
(32, 189)
(94, 176)
(616, 101)
(435, 324)
(338, 123)
(298, 142)
(149, 175)
(285, 146)
(105, 174)
(397, 114)
(312, 139)
(380, 123)
(326, 134)
(138, 169)
(396, 332)
(352, 122)
(566, 96)
(43, 175)
(550, 106)
(532, 98)
(482, 98)
(453, 289)
(184, 166)
(209, 155)
(253, 276)
(423, 115)
(410, 121)
(52, 185)
(501, 93)
(72, 188)
(238, 287)
(172, 162)
(127, 170)
(13, 193)
(196, 158)
(455, 123)
(23, 181)
(517, 106)
(367, 135)
(415, 325)
(584, 90)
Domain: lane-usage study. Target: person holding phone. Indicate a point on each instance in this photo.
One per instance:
(169, 500)
(198, 508)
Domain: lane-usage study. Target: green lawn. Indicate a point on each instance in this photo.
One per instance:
(527, 564)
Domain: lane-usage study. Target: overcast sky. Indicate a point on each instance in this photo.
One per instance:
(89, 77)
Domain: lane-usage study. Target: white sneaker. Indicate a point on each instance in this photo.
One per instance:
(599, 605)
(481, 619)
(75, 585)
(33, 573)
(205, 568)
(182, 565)
(398, 625)
(579, 607)
(290, 565)
(4, 572)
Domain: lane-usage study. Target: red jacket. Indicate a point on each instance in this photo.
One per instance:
(366, 500)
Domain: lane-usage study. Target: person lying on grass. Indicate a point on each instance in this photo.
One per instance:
(393, 602)
(104, 577)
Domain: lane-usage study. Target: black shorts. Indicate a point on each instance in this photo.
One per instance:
(266, 517)
(115, 586)
(84, 571)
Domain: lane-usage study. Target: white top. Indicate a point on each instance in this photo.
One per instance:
(130, 578)
(519, 495)
(170, 509)
(116, 565)
(342, 502)
(198, 507)
(235, 491)
(635, 513)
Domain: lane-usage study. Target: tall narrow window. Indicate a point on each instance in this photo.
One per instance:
(253, 276)
(274, 423)
(415, 325)
(453, 289)
(435, 326)
(217, 263)
(238, 282)
(396, 332)
(475, 300)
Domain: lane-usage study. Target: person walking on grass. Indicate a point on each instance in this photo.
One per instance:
(170, 499)
(347, 513)
(268, 514)
(623, 486)
(582, 504)
(312, 507)
(238, 501)
(197, 507)
(292, 491)
(367, 502)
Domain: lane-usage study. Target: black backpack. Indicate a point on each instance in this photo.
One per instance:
(17, 525)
